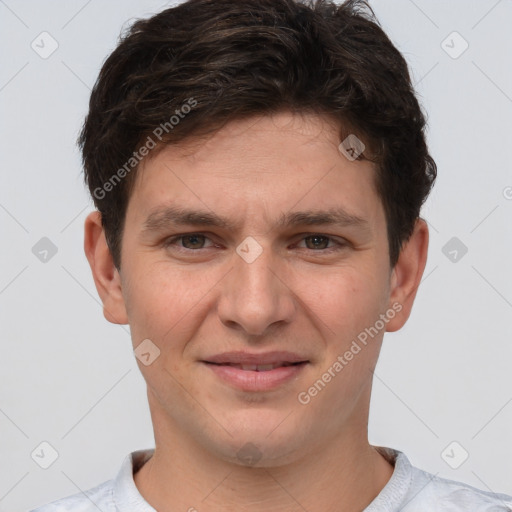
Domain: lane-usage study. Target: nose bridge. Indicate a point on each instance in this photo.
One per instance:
(254, 297)
(256, 278)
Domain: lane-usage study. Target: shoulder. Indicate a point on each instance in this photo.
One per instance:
(436, 493)
(117, 493)
(99, 497)
(411, 489)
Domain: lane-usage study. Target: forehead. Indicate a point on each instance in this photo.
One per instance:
(262, 166)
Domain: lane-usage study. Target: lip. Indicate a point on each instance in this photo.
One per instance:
(262, 358)
(228, 367)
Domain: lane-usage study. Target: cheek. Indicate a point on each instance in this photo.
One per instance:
(346, 299)
(153, 306)
(167, 305)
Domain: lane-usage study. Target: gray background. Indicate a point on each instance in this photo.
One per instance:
(69, 378)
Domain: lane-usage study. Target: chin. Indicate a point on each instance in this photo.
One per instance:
(262, 439)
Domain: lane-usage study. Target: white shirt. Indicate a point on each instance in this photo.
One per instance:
(408, 490)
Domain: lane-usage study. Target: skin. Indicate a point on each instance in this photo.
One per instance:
(194, 298)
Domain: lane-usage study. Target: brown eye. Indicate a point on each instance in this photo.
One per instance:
(193, 241)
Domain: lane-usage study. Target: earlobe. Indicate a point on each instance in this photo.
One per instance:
(106, 276)
(407, 273)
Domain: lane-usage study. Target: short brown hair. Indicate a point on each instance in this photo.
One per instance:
(208, 62)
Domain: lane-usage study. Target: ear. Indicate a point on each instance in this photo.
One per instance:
(406, 275)
(105, 274)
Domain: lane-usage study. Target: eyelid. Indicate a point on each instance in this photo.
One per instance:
(176, 238)
(337, 241)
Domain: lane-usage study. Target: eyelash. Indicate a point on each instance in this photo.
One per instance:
(339, 245)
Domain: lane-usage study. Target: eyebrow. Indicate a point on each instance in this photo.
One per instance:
(162, 218)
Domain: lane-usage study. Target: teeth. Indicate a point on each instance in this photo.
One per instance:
(265, 367)
(258, 367)
(249, 366)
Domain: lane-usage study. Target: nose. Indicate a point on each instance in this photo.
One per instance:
(255, 297)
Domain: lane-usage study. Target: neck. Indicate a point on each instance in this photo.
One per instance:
(345, 473)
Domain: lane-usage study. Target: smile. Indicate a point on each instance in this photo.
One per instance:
(258, 367)
(256, 373)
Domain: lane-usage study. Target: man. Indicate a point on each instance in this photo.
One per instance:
(258, 167)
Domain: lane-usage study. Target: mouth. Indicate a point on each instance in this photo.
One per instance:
(256, 372)
(258, 367)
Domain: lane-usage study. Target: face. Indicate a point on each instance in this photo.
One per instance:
(256, 262)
